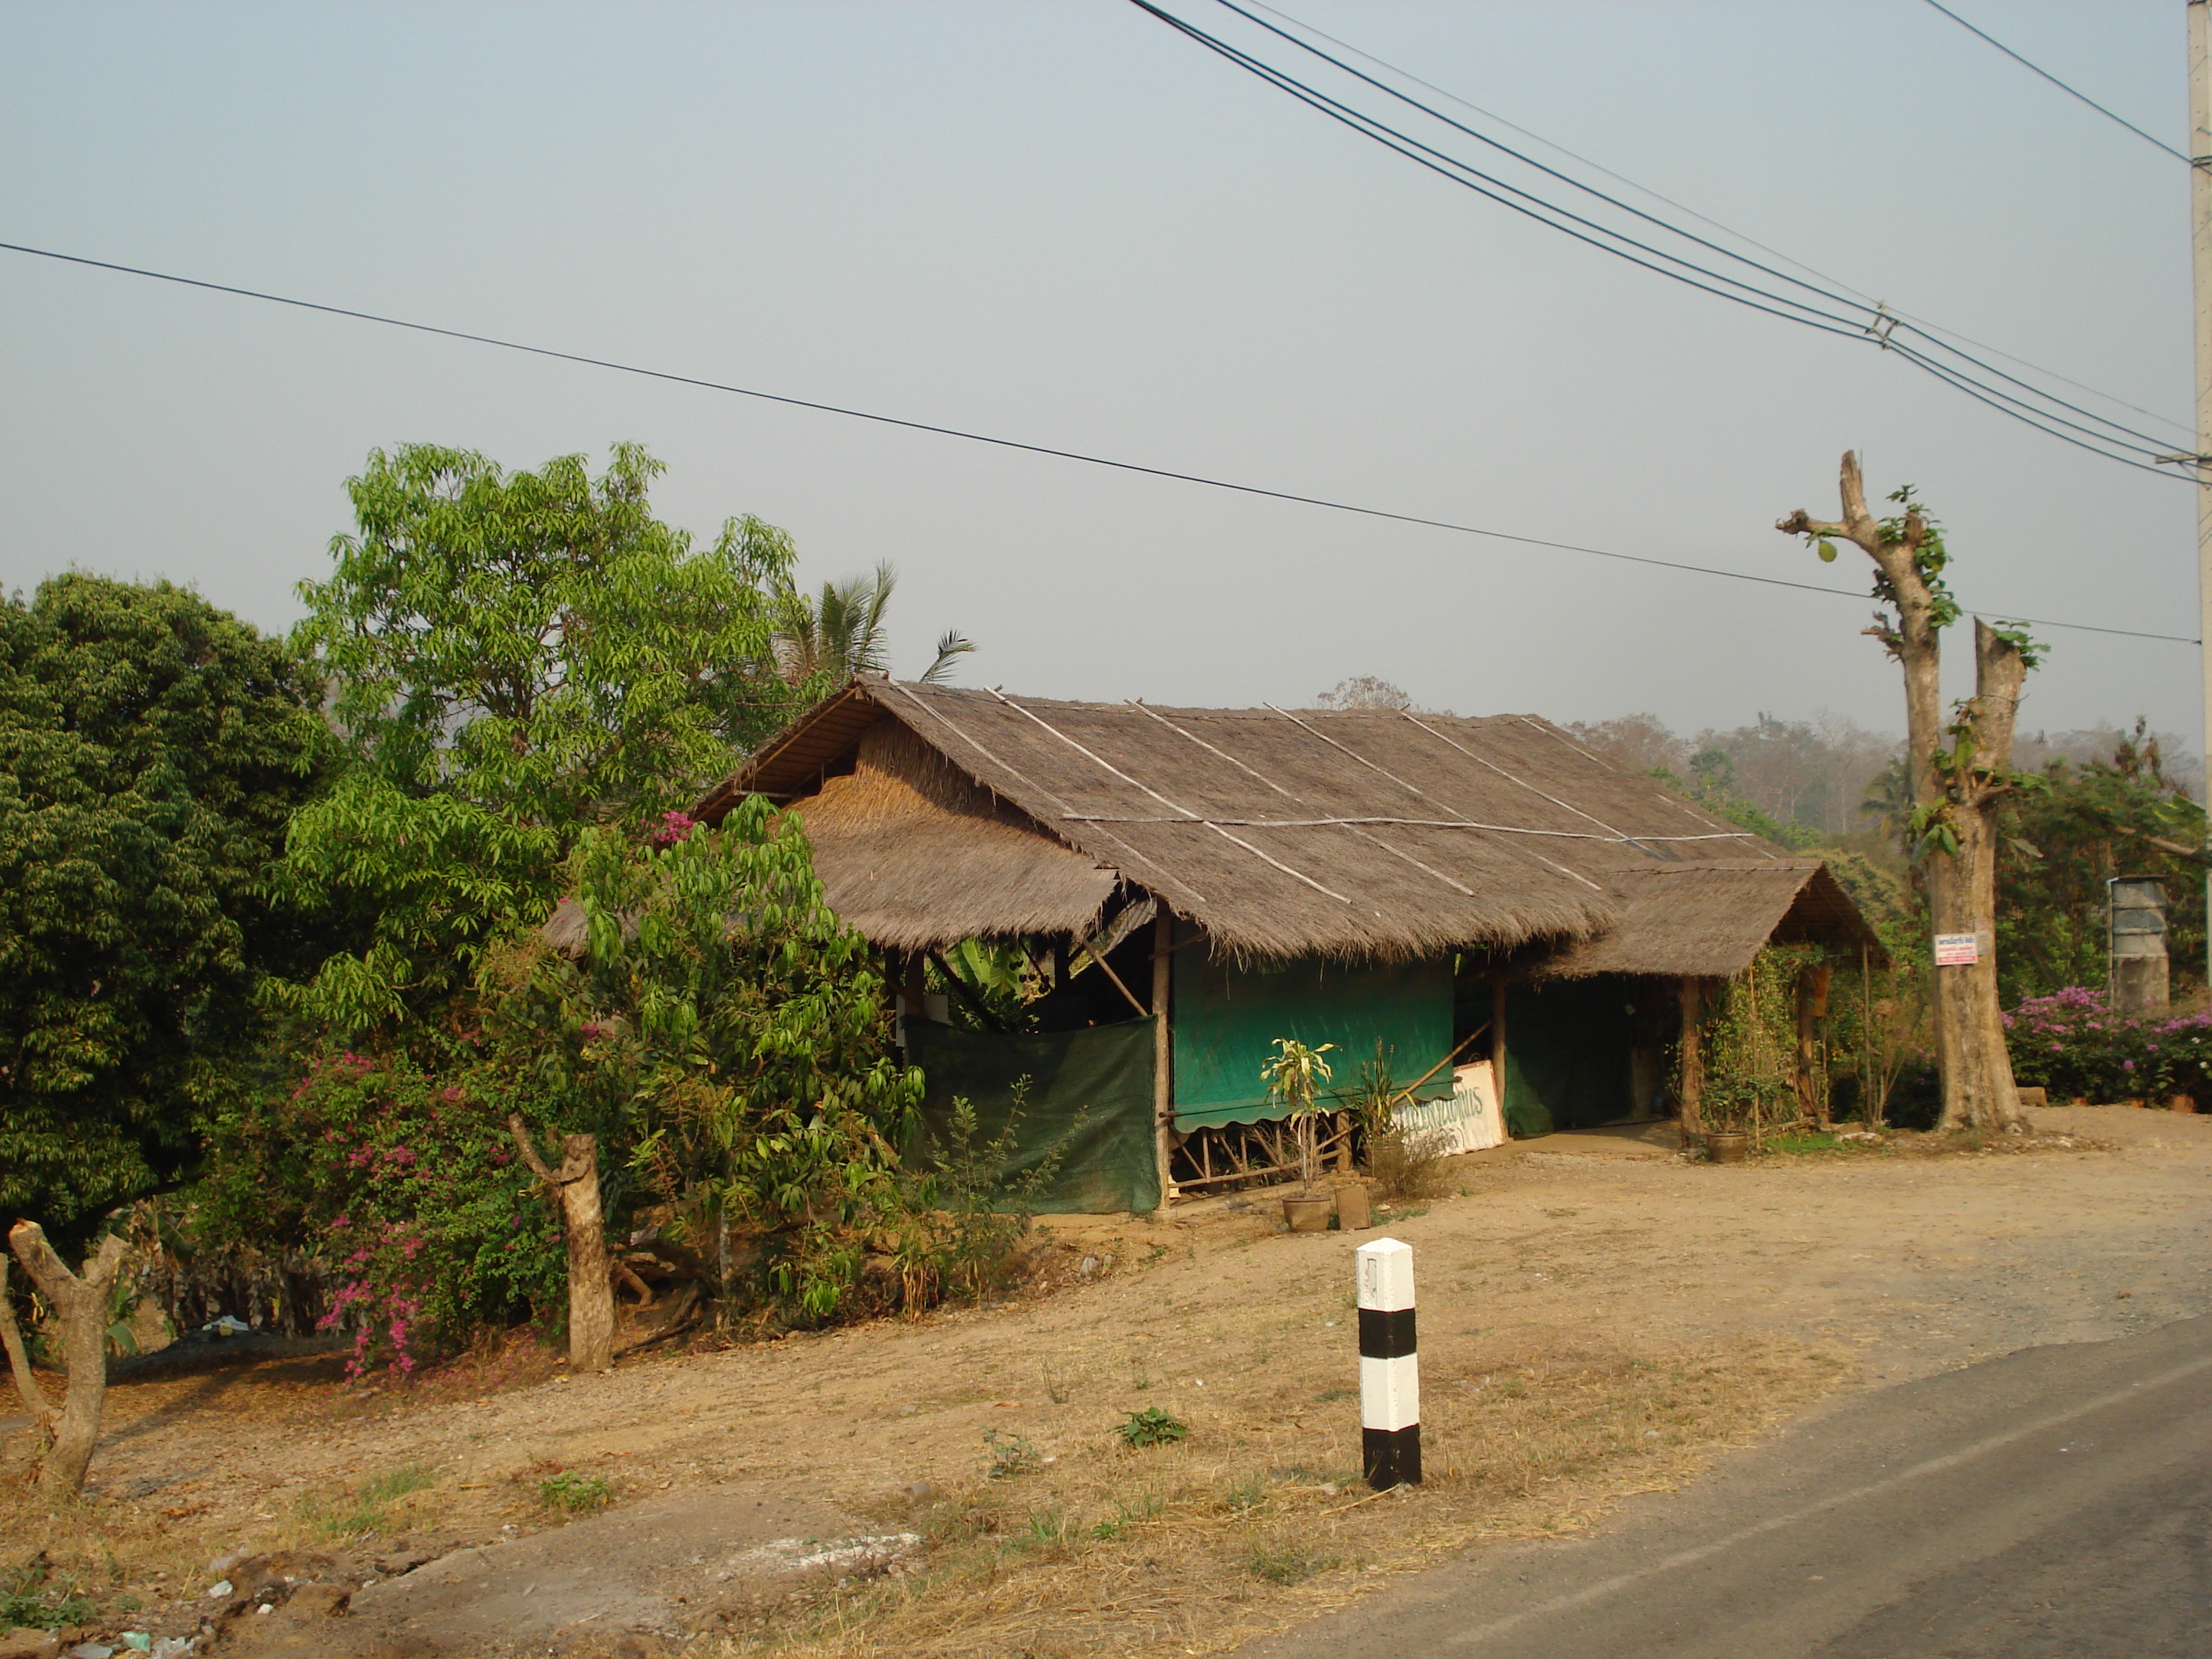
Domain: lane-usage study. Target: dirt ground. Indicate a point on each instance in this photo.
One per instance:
(1597, 1317)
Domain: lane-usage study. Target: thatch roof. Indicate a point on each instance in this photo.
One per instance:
(940, 813)
(1711, 919)
(917, 856)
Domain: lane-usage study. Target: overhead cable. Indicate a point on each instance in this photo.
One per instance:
(704, 384)
(2117, 442)
(2036, 69)
(1923, 323)
(2149, 447)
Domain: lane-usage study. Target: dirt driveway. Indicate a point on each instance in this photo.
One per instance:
(1597, 1317)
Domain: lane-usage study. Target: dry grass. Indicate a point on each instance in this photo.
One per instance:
(1262, 1520)
(1410, 1166)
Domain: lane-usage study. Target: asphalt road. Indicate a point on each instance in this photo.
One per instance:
(2054, 1502)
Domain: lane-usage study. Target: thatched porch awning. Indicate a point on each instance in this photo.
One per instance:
(1709, 921)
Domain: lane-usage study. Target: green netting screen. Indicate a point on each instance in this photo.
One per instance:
(1227, 1018)
(1566, 1055)
(1089, 1092)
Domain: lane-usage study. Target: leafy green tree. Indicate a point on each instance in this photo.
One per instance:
(2062, 842)
(152, 749)
(516, 657)
(727, 1032)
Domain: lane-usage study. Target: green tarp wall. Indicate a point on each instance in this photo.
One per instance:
(1227, 1018)
(1566, 1055)
(1093, 1087)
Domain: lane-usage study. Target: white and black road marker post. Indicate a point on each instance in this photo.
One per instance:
(1389, 1370)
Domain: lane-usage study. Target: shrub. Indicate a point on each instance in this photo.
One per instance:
(2073, 1044)
(399, 1164)
(1152, 1427)
(1407, 1166)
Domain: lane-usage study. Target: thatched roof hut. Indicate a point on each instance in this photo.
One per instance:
(1385, 881)
(940, 814)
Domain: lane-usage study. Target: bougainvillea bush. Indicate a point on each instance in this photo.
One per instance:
(399, 1168)
(2072, 1043)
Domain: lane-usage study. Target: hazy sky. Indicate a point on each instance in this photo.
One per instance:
(1057, 221)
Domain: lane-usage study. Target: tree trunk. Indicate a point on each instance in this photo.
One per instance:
(1970, 1014)
(18, 1364)
(81, 1304)
(591, 1273)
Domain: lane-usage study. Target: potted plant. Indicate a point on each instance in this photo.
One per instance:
(1291, 1077)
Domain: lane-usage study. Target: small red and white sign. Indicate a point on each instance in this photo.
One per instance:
(1958, 950)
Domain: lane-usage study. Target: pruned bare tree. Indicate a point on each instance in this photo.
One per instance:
(80, 1302)
(1955, 789)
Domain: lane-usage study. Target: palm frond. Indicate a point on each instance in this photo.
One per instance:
(951, 644)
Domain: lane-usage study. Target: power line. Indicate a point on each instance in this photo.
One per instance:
(2149, 446)
(1466, 175)
(704, 384)
(2035, 70)
(1881, 327)
(1922, 324)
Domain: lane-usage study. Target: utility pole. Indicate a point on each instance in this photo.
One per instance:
(2200, 242)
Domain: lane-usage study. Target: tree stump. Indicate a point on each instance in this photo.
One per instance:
(81, 1303)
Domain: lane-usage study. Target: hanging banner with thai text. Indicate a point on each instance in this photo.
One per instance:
(1958, 950)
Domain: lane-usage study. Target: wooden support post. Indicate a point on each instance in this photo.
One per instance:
(1163, 1045)
(1497, 1044)
(1691, 1118)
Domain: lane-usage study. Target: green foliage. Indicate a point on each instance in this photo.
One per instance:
(730, 1031)
(398, 1165)
(2032, 651)
(152, 749)
(1293, 1077)
(2060, 844)
(575, 1494)
(1374, 1096)
(30, 1600)
(960, 1220)
(1929, 557)
(516, 657)
(1713, 784)
(1151, 1426)
(1750, 1036)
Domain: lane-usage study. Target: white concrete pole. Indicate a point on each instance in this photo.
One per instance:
(1389, 1366)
